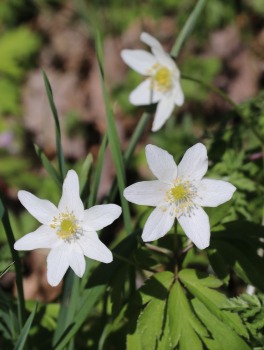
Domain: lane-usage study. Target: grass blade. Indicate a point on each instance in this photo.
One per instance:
(57, 126)
(11, 240)
(6, 269)
(188, 27)
(90, 298)
(48, 166)
(84, 177)
(136, 136)
(68, 305)
(114, 143)
(130, 150)
(21, 340)
(98, 172)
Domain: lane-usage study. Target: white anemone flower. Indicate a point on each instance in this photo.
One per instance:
(69, 230)
(162, 85)
(179, 192)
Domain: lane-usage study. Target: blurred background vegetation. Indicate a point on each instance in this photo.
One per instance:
(226, 50)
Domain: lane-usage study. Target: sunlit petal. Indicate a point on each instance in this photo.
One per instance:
(42, 209)
(161, 163)
(147, 192)
(212, 193)
(194, 163)
(158, 224)
(196, 226)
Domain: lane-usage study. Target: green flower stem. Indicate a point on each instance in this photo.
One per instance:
(136, 136)
(98, 172)
(15, 257)
(188, 27)
(131, 263)
(114, 143)
(130, 150)
(227, 99)
(160, 250)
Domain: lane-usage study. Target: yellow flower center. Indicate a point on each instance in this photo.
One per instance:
(179, 192)
(163, 79)
(67, 226)
(180, 197)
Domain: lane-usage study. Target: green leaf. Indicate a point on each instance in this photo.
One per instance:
(9, 97)
(16, 46)
(103, 274)
(114, 143)
(149, 327)
(238, 246)
(57, 126)
(216, 216)
(188, 27)
(133, 341)
(21, 341)
(11, 241)
(183, 324)
(224, 337)
(87, 302)
(201, 286)
(150, 332)
(219, 265)
(157, 286)
(251, 310)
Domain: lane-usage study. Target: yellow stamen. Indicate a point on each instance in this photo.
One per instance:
(179, 192)
(67, 228)
(66, 225)
(180, 197)
(163, 79)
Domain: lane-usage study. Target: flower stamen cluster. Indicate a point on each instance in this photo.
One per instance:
(69, 230)
(67, 226)
(162, 79)
(179, 191)
(180, 196)
(162, 83)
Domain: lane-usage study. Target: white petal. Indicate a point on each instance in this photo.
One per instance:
(144, 94)
(164, 110)
(178, 94)
(161, 163)
(42, 209)
(196, 227)
(150, 41)
(58, 263)
(43, 237)
(76, 259)
(70, 199)
(212, 193)
(100, 216)
(139, 60)
(93, 248)
(158, 51)
(164, 59)
(158, 224)
(194, 163)
(147, 193)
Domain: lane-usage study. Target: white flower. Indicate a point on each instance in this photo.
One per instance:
(179, 193)
(163, 82)
(69, 230)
